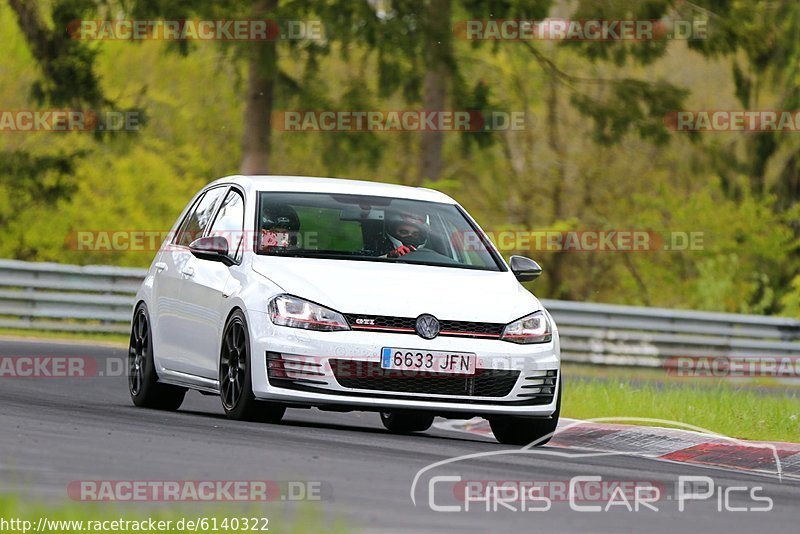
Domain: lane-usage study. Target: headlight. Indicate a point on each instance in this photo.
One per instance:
(533, 328)
(286, 310)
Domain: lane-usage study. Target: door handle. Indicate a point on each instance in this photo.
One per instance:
(188, 271)
(160, 266)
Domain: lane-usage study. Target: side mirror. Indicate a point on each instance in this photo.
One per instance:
(212, 248)
(525, 269)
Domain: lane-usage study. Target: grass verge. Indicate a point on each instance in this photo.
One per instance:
(661, 375)
(112, 339)
(726, 409)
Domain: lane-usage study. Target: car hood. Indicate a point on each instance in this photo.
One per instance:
(401, 290)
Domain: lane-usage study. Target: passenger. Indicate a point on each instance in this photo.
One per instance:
(279, 228)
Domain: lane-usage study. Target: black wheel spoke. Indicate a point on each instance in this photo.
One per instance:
(143, 384)
(137, 354)
(233, 365)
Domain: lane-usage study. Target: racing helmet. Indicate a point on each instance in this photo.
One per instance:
(409, 229)
(280, 225)
(279, 216)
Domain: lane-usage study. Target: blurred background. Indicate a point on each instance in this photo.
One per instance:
(596, 151)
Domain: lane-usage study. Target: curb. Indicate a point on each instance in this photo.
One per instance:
(676, 445)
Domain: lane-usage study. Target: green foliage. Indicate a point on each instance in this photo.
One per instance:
(632, 104)
(790, 302)
(621, 50)
(68, 65)
(595, 153)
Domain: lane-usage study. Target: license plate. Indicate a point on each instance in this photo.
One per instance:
(433, 361)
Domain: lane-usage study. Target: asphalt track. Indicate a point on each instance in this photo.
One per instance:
(57, 430)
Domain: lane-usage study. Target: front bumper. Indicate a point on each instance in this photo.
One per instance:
(341, 370)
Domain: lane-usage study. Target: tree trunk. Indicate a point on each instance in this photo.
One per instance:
(438, 59)
(33, 27)
(556, 144)
(262, 72)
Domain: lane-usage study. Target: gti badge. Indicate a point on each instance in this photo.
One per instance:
(427, 326)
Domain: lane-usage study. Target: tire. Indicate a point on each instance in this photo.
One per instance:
(235, 378)
(510, 430)
(406, 422)
(142, 376)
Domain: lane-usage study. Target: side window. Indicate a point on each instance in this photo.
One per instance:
(230, 223)
(198, 217)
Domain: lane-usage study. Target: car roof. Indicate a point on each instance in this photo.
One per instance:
(310, 184)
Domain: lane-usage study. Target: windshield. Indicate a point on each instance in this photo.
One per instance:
(356, 227)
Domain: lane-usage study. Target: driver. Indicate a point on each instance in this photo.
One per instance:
(406, 232)
(279, 227)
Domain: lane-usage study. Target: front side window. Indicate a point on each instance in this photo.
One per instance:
(230, 223)
(199, 216)
(356, 227)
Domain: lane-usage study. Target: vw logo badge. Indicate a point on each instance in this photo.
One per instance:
(427, 326)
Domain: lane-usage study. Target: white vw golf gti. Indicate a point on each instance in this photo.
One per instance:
(291, 292)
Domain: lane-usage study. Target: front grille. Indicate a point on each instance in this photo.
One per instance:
(467, 328)
(385, 323)
(357, 374)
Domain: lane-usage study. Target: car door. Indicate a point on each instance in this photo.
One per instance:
(171, 268)
(203, 294)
